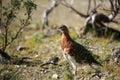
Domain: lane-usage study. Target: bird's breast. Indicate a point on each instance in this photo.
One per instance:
(65, 44)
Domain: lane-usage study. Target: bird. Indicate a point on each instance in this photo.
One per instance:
(74, 52)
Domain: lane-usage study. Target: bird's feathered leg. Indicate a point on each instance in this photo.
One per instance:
(73, 63)
(74, 66)
(70, 60)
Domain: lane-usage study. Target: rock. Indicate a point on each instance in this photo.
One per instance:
(116, 55)
(55, 76)
(45, 70)
(21, 48)
(52, 60)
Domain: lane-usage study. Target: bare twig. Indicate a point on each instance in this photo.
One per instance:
(94, 3)
(10, 14)
(46, 13)
(6, 30)
(19, 31)
(97, 5)
(115, 8)
(89, 4)
(104, 9)
(76, 11)
(112, 7)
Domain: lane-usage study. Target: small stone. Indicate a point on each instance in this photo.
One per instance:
(21, 48)
(116, 55)
(55, 76)
(17, 66)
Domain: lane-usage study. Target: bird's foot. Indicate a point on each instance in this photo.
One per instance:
(74, 72)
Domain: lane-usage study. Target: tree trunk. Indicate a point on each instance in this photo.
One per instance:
(5, 55)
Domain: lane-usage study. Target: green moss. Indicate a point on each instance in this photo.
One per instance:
(67, 75)
(112, 77)
(74, 35)
(38, 39)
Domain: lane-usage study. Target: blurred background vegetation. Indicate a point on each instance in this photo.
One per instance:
(25, 45)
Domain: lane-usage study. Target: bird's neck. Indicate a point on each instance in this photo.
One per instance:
(66, 36)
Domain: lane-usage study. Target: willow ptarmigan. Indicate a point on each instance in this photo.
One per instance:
(74, 52)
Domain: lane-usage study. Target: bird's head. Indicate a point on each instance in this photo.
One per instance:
(63, 29)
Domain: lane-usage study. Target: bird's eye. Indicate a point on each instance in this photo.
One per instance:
(61, 27)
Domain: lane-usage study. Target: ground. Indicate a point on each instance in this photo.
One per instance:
(43, 44)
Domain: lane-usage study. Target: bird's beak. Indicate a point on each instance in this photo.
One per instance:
(58, 29)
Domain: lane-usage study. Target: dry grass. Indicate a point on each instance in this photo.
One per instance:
(41, 48)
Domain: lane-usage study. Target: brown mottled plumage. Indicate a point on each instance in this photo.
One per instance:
(74, 52)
